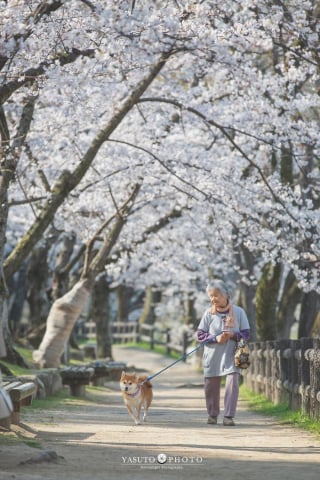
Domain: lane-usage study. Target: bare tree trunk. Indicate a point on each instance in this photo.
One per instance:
(101, 317)
(37, 281)
(248, 292)
(266, 302)
(123, 296)
(290, 298)
(148, 316)
(310, 306)
(3, 350)
(18, 291)
(190, 316)
(63, 315)
(60, 278)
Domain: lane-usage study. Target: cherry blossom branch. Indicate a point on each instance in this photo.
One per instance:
(30, 75)
(227, 135)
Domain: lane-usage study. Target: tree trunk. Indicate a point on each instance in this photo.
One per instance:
(37, 282)
(11, 354)
(101, 317)
(190, 314)
(18, 291)
(309, 310)
(148, 316)
(8, 162)
(7, 170)
(122, 296)
(60, 278)
(290, 298)
(3, 350)
(247, 293)
(62, 317)
(266, 302)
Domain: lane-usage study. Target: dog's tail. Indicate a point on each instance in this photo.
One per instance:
(142, 379)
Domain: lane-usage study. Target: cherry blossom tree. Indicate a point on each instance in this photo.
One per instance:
(214, 106)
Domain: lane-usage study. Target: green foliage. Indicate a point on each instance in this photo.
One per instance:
(260, 404)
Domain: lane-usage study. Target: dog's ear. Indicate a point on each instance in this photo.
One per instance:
(123, 373)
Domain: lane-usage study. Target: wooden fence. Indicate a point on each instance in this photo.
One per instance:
(287, 371)
(124, 332)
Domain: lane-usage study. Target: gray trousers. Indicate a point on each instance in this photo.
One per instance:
(231, 393)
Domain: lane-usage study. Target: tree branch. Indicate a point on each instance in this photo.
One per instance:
(68, 181)
(30, 75)
(99, 261)
(225, 132)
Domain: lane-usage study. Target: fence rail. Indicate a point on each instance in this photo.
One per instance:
(124, 332)
(287, 371)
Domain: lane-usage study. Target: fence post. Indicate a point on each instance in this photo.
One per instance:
(152, 338)
(137, 332)
(255, 369)
(284, 371)
(306, 344)
(295, 398)
(259, 373)
(168, 339)
(184, 344)
(269, 379)
(315, 380)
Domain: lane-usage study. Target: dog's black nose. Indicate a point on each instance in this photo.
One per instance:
(126, 389)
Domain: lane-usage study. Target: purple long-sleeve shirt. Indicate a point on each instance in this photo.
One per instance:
(218, 359)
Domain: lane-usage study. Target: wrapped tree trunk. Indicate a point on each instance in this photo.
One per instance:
(63, 315)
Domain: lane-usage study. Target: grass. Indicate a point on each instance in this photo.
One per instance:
(260, 404)
(161, 349)
(14, 438)
(64, 400)
(15, 369)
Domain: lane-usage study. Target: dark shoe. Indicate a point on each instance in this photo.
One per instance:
(228, 422)
(212, 420)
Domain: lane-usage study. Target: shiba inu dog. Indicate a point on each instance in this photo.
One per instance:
(136, 393)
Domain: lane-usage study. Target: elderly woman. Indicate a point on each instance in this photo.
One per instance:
(221, 326)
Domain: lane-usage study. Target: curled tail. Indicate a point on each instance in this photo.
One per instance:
(142, 379)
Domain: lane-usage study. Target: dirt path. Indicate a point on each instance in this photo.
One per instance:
(97, 440)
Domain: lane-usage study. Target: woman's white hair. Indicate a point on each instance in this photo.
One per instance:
(218, 285)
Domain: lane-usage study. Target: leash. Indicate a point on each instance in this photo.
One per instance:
(183, 358)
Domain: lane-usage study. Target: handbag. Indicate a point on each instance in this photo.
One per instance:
(242, 354)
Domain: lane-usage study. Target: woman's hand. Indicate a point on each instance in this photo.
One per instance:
(224, 337)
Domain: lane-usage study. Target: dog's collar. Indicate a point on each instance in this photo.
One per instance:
(136, 393)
